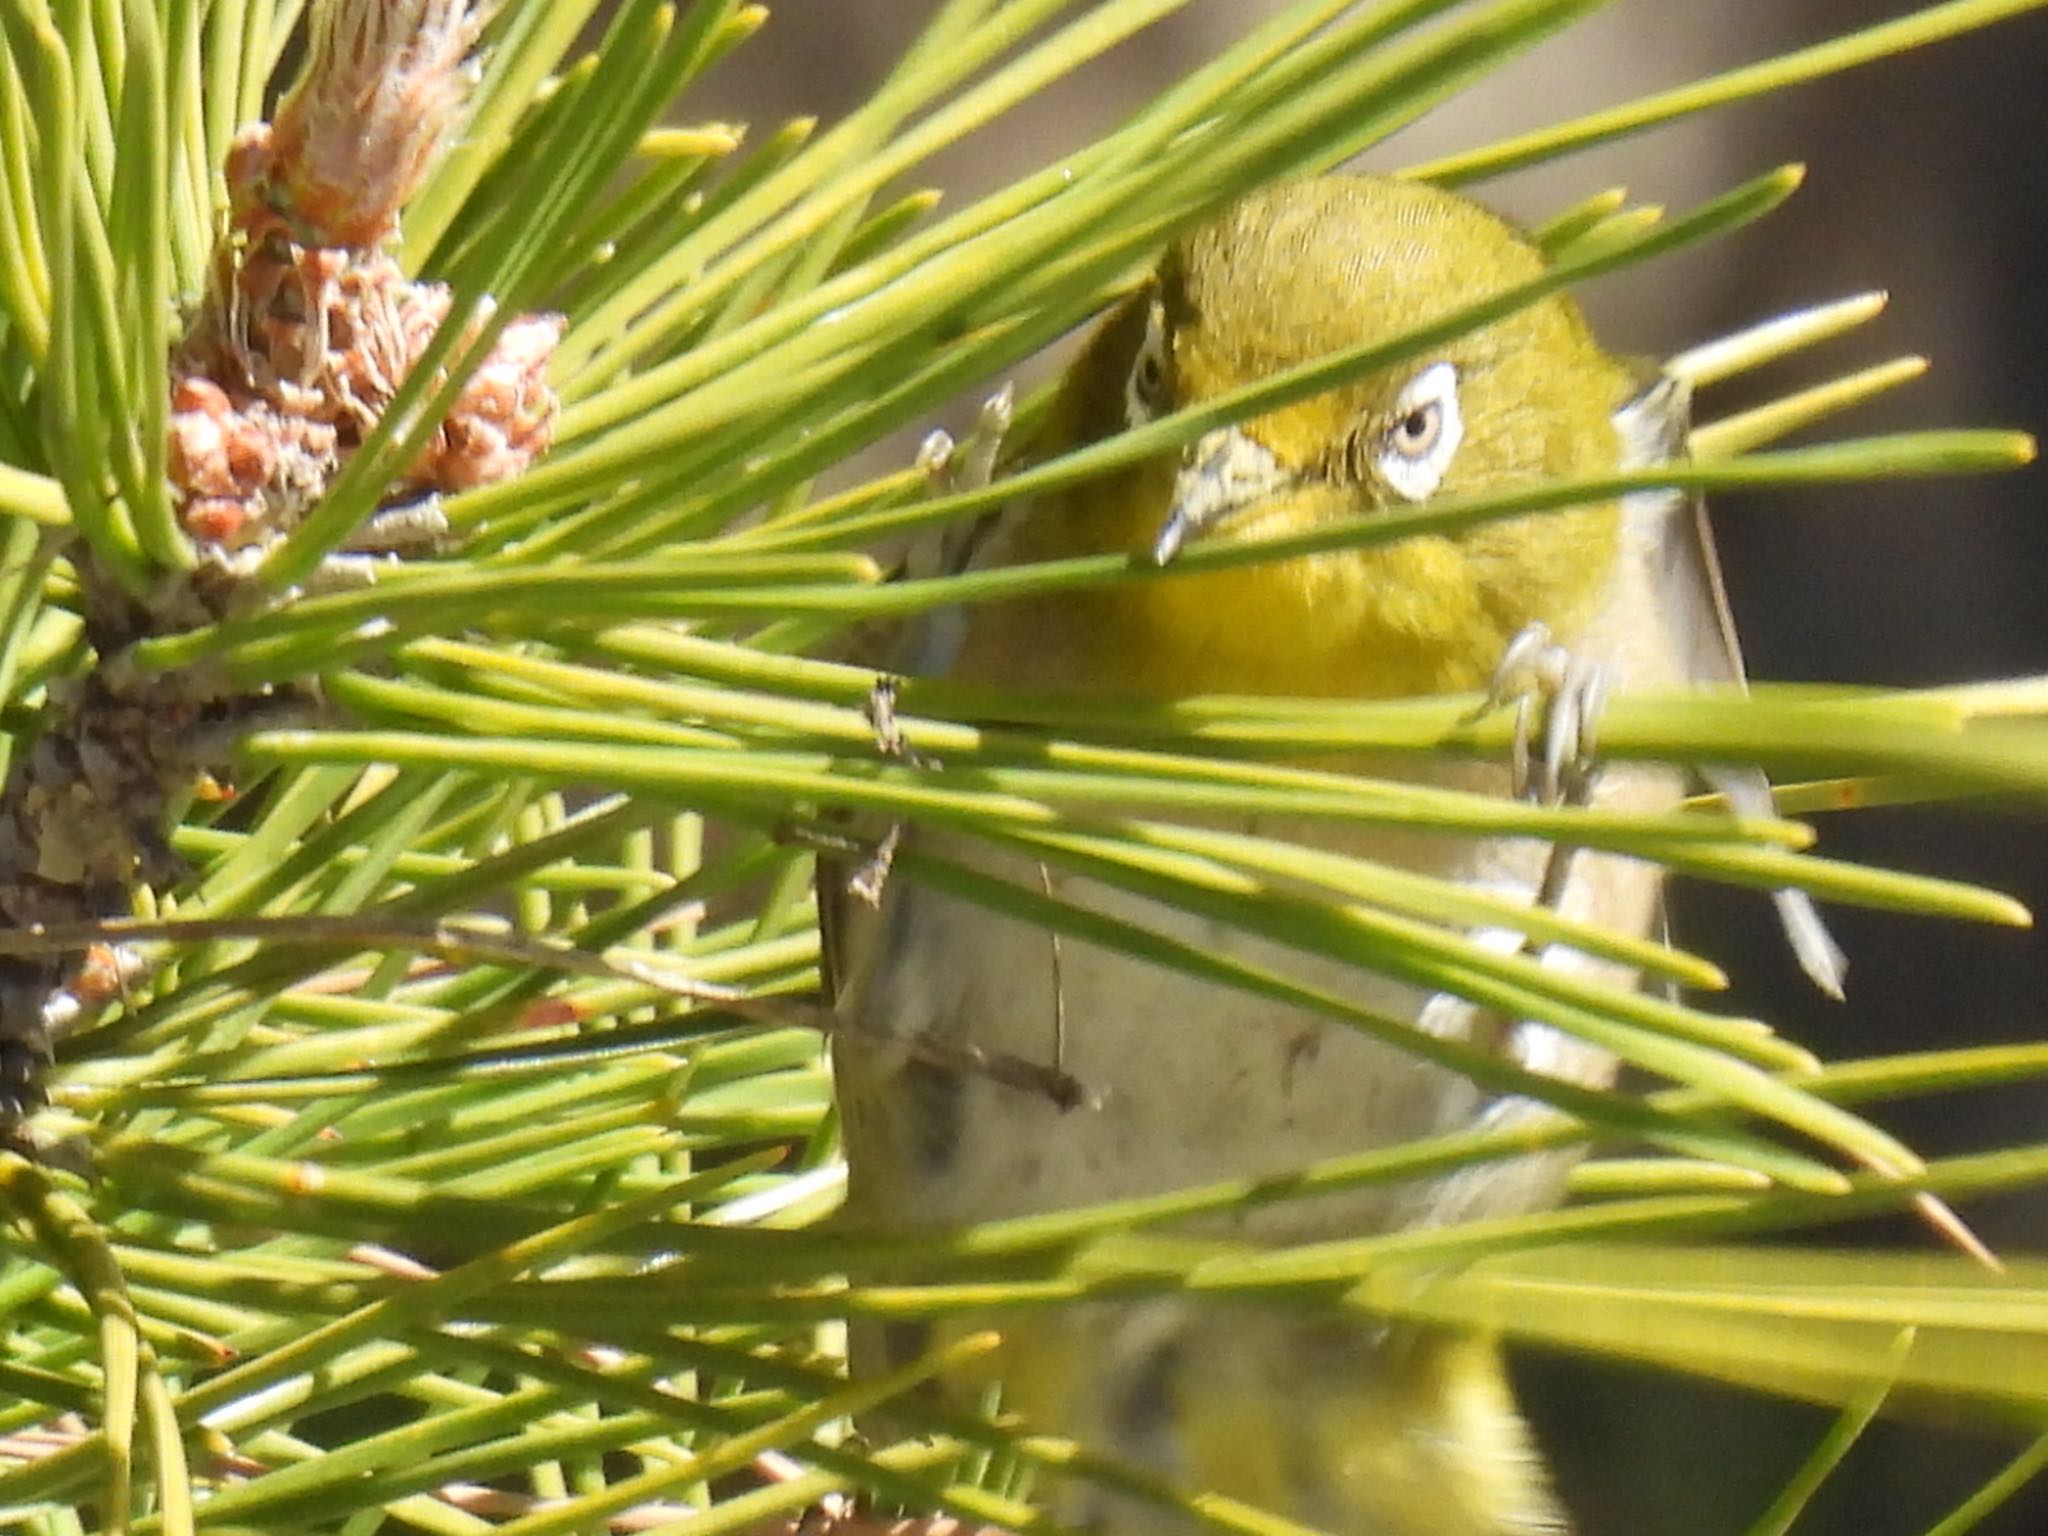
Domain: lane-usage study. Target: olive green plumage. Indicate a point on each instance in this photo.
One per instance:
(1340, 1423)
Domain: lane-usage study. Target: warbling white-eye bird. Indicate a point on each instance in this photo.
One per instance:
(1335, 1422)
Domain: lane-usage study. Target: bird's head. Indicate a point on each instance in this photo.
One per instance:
(1287, 276)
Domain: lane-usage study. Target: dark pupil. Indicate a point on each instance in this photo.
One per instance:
(1418, 428)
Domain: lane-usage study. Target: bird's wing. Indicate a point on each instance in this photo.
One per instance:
(1655, 426)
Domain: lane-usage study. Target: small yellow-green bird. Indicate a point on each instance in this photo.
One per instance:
(1333, 1422)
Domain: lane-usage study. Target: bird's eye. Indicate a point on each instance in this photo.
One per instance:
(1423, 433)
(1145, 389)
(1416, 433)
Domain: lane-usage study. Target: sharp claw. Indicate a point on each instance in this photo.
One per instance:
(1537, 673)
(1598, 686)
(973, 464)
(935, 453)
(970, 464)
(1525, 711)
(1520, 658)
(1561, 738)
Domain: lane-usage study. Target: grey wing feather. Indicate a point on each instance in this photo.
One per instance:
(1654, 428)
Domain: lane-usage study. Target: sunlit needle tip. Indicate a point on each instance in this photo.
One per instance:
(1945, 1221)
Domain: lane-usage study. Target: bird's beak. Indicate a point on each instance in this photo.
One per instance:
(1224, 472)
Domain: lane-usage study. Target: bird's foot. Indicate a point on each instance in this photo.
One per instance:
(1536, 673)
(880, 709)
(970, 464)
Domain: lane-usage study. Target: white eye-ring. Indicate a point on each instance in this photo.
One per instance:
(1145, 388)
(1423, 434)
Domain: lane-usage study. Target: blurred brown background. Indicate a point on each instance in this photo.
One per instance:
(1927, 178)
